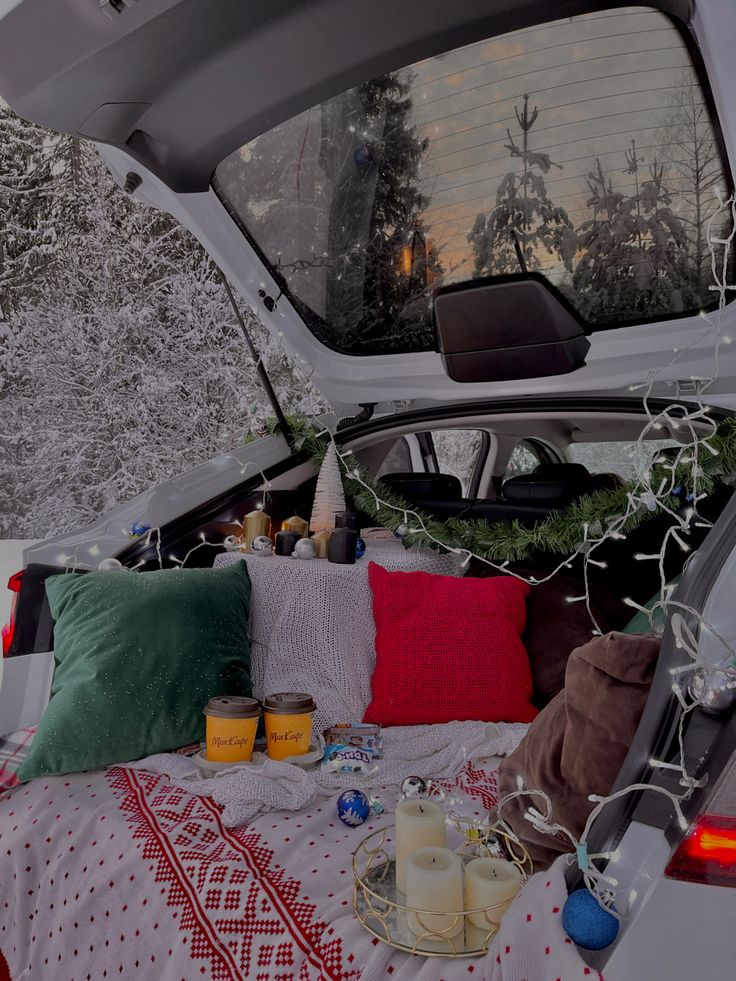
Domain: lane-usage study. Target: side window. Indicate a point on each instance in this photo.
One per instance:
(523, 460)
(398, 459)
(457, 453)
(618, 457)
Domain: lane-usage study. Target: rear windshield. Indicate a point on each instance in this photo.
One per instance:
(582, 149)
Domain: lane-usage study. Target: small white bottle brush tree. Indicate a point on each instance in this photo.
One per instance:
(329, 496)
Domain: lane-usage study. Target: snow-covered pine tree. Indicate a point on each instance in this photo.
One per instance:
(339, 188)
(686, 141)
(524, 219)
(329, 496)
(27, 237)
(633, 260)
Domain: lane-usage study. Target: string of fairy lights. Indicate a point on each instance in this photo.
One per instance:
(693, 420)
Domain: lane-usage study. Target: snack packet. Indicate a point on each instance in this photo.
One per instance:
(362, 735)
(347, 759)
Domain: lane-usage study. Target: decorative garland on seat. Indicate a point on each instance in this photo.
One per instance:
(559, 533)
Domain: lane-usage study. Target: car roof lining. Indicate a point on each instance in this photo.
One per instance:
(180, 84)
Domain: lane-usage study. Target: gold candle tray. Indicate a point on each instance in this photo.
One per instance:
(383, 911)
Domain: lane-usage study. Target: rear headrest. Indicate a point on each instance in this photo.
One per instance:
(425, 486)
(562, 471)
(555, 484)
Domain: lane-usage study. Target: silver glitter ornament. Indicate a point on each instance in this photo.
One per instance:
(304, 549)
(715, 690)
(232, 542)
(414, 787)
(111, 565)
(261, 545)
(495, 846)
(402, 531)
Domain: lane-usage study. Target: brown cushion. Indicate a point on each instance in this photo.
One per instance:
(577, 744)
(554, 627)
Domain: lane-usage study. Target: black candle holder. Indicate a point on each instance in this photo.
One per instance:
(342, 546)
(286, 541)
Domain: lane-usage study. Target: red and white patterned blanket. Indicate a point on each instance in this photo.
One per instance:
(120, 873)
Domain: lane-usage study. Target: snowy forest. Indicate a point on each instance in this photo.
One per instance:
(123, 364)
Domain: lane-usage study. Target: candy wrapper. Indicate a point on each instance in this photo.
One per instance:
(362, 735)
(347, 759)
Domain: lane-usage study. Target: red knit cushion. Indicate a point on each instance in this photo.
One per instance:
(448, 649)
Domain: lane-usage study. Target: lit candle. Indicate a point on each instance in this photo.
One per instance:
(434, 883)
(295, 523)
(254, 524)
(419, 823)
(490, 882)
(321, 541)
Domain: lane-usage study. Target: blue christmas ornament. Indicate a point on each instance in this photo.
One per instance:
(138, 528)
(359, 549)
(363, 156)
(587, 923)
(353, 807)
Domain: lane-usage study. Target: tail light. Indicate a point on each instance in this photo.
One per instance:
(707, 853)
(8, 630)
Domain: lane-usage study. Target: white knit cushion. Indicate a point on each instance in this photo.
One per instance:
(312, 627)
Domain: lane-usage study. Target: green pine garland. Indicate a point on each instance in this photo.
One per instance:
(510, 541)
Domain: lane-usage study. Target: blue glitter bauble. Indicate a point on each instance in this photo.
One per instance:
(587, 923)
(138, 529)
(359, 549)
(353, 807)
(363, 156)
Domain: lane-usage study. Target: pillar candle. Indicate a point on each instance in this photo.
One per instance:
(286, 542)
(347, 519)
(434, 882)
(343, 546)
(488, 882)
(295, 523)
(254, 524)
(418, 823)
(321, 541)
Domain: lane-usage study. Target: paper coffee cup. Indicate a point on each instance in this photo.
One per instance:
(232, 721)
(288, 718)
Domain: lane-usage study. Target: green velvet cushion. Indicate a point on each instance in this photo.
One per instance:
(137, 657)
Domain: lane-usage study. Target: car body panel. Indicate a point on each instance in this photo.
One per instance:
(158, 506)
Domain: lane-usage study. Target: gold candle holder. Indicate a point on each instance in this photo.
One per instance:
(254, 524)
(385, 913)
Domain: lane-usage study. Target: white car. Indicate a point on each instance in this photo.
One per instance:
(486, 219)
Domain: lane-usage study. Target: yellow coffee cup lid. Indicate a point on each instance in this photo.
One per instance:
(233, 707)
(289, 703)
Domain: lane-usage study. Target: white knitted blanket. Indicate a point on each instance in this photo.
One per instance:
(438, 752)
